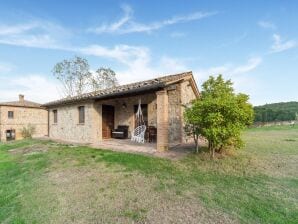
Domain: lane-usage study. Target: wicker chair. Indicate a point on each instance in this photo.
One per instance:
(138, 134)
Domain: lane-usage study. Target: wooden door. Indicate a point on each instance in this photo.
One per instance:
(107, 120)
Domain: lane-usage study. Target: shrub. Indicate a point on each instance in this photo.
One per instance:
(28, 132)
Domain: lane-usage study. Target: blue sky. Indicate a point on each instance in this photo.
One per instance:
(254, 43)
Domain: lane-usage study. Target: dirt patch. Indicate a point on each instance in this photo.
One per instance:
(33, 149)
(105, 195)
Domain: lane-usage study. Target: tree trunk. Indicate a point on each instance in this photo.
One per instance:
(211, 149)
(197, 146)
(196, 139)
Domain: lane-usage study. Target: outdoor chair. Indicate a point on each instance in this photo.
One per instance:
(120, 132)
(138, 134)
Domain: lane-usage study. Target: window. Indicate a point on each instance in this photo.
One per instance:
(10, 135)
(55, 112)
(81, 114)
(10, 114)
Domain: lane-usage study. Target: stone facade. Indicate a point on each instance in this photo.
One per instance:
(68, 127)
(165, 112)
(187, 96)
(22, 117)
(174, 95)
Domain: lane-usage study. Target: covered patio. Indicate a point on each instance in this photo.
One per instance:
(176, 151)
(119, 115)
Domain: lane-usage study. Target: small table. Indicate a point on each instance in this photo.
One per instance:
(152, 132)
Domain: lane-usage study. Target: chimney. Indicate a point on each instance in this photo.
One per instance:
(21, 98)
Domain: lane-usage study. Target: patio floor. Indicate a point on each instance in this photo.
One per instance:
(126, 145)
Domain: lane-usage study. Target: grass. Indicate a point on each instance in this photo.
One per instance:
(45, 182)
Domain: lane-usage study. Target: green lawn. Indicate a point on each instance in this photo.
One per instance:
(45, 182)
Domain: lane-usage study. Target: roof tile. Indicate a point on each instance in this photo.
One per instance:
(156, 82)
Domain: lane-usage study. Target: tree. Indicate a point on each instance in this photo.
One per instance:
(103, 78)
(219, 114)
(74, 75)
(192, 129)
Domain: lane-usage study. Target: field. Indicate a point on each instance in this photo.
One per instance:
(46, 182)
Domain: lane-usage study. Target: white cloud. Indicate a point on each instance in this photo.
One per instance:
(127, 24)
(128, 12)
(279, 45)
(122, 53)
(136, 60)
(36, 88)
(5, 67)
(240, 75)
(170, 64)
(16, 29)
(230, 69)
(267, 25)
(38, 33)
(251, 64)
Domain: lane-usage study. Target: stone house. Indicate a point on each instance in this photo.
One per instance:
(18, 114)
(90, 117)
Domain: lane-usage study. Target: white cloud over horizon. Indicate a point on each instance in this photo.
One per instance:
(240, 75)
(232, 69)
(35, 87)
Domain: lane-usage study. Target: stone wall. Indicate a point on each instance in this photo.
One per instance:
(23, 116)
(174, 111)
(187, 96)
(68, 127)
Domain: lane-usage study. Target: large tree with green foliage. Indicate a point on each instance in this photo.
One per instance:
(219, 114)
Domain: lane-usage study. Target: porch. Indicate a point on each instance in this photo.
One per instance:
(176, 151)
(120, 112)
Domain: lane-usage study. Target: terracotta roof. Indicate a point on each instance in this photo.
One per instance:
(24, 103)
(137, 87)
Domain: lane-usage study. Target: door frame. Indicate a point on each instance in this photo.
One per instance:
(111, 108)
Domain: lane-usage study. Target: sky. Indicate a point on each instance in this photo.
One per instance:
(253, 43)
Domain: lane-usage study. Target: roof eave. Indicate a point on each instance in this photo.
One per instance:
(141, 90)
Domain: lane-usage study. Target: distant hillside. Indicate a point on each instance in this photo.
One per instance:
(276, 112)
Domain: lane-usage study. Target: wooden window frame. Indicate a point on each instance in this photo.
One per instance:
(55, 116)
(10, 114)
(81, 110)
